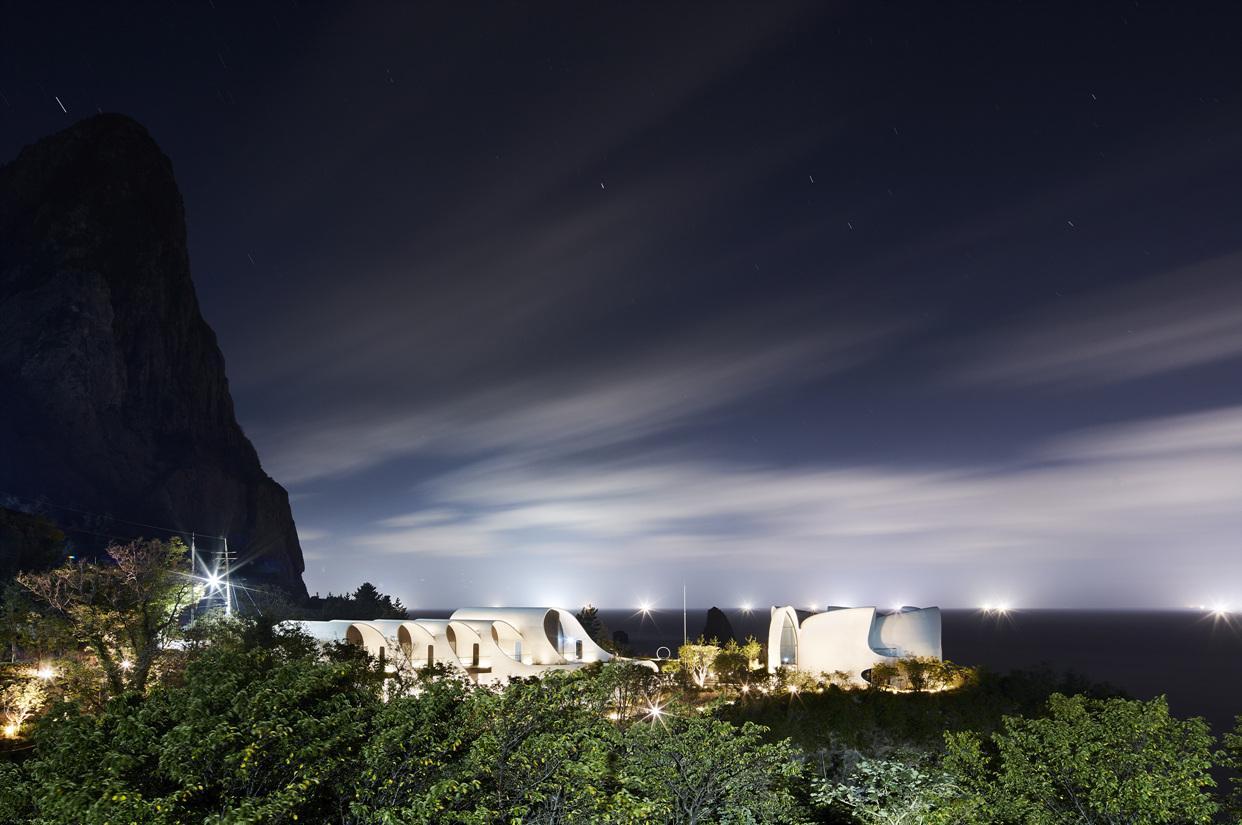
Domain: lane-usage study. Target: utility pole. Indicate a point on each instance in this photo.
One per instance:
(685, 637)
(228, 584)
(193, 574)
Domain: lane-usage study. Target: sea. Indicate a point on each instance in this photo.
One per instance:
(1193, 658)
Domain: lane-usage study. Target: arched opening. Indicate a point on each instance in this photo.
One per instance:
(367, 637)
(467, 645)
(508, 639)
(552, 629)
(789, 642)
(413, 640)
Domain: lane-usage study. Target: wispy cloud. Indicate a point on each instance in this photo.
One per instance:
(1177, 320)
(594, 406)
(1058, 526)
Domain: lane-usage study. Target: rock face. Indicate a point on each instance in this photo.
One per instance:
(717, 626)
(113, 397)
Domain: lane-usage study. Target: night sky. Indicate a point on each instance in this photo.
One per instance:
(841, 303)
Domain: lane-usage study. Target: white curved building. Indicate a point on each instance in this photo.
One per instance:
(489, 645)
(850, 639)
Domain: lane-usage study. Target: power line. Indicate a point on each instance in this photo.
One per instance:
(47, 503)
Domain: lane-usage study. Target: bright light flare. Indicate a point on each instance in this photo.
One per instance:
(214, 580)
(46, 673)
(126, 664)
(644, 608)
(655, 711)
(10, 731)
(747, 607)
(793, 690)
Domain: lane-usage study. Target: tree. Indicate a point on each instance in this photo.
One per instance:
(541, 754)
(22, 629)
(685, 768)
(696, 659)
(889, 792)
(1232, 759)
(19, 700)
(1089, 761)
(735, 663)
(730, 666)
(411, 767)
(629, 689)
(125, 612)
(588, 617)
(371, 604)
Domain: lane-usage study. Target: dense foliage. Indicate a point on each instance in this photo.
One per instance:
(834, 725)
(1088, 761)
(264, 729)
(1232, 759)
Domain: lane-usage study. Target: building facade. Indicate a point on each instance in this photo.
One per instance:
(850, 640)
(489, 645)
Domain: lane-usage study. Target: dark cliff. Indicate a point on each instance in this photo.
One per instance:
(113, 396)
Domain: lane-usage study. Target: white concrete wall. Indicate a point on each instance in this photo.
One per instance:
(853, 639)
(513, 642)
(910, 632)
